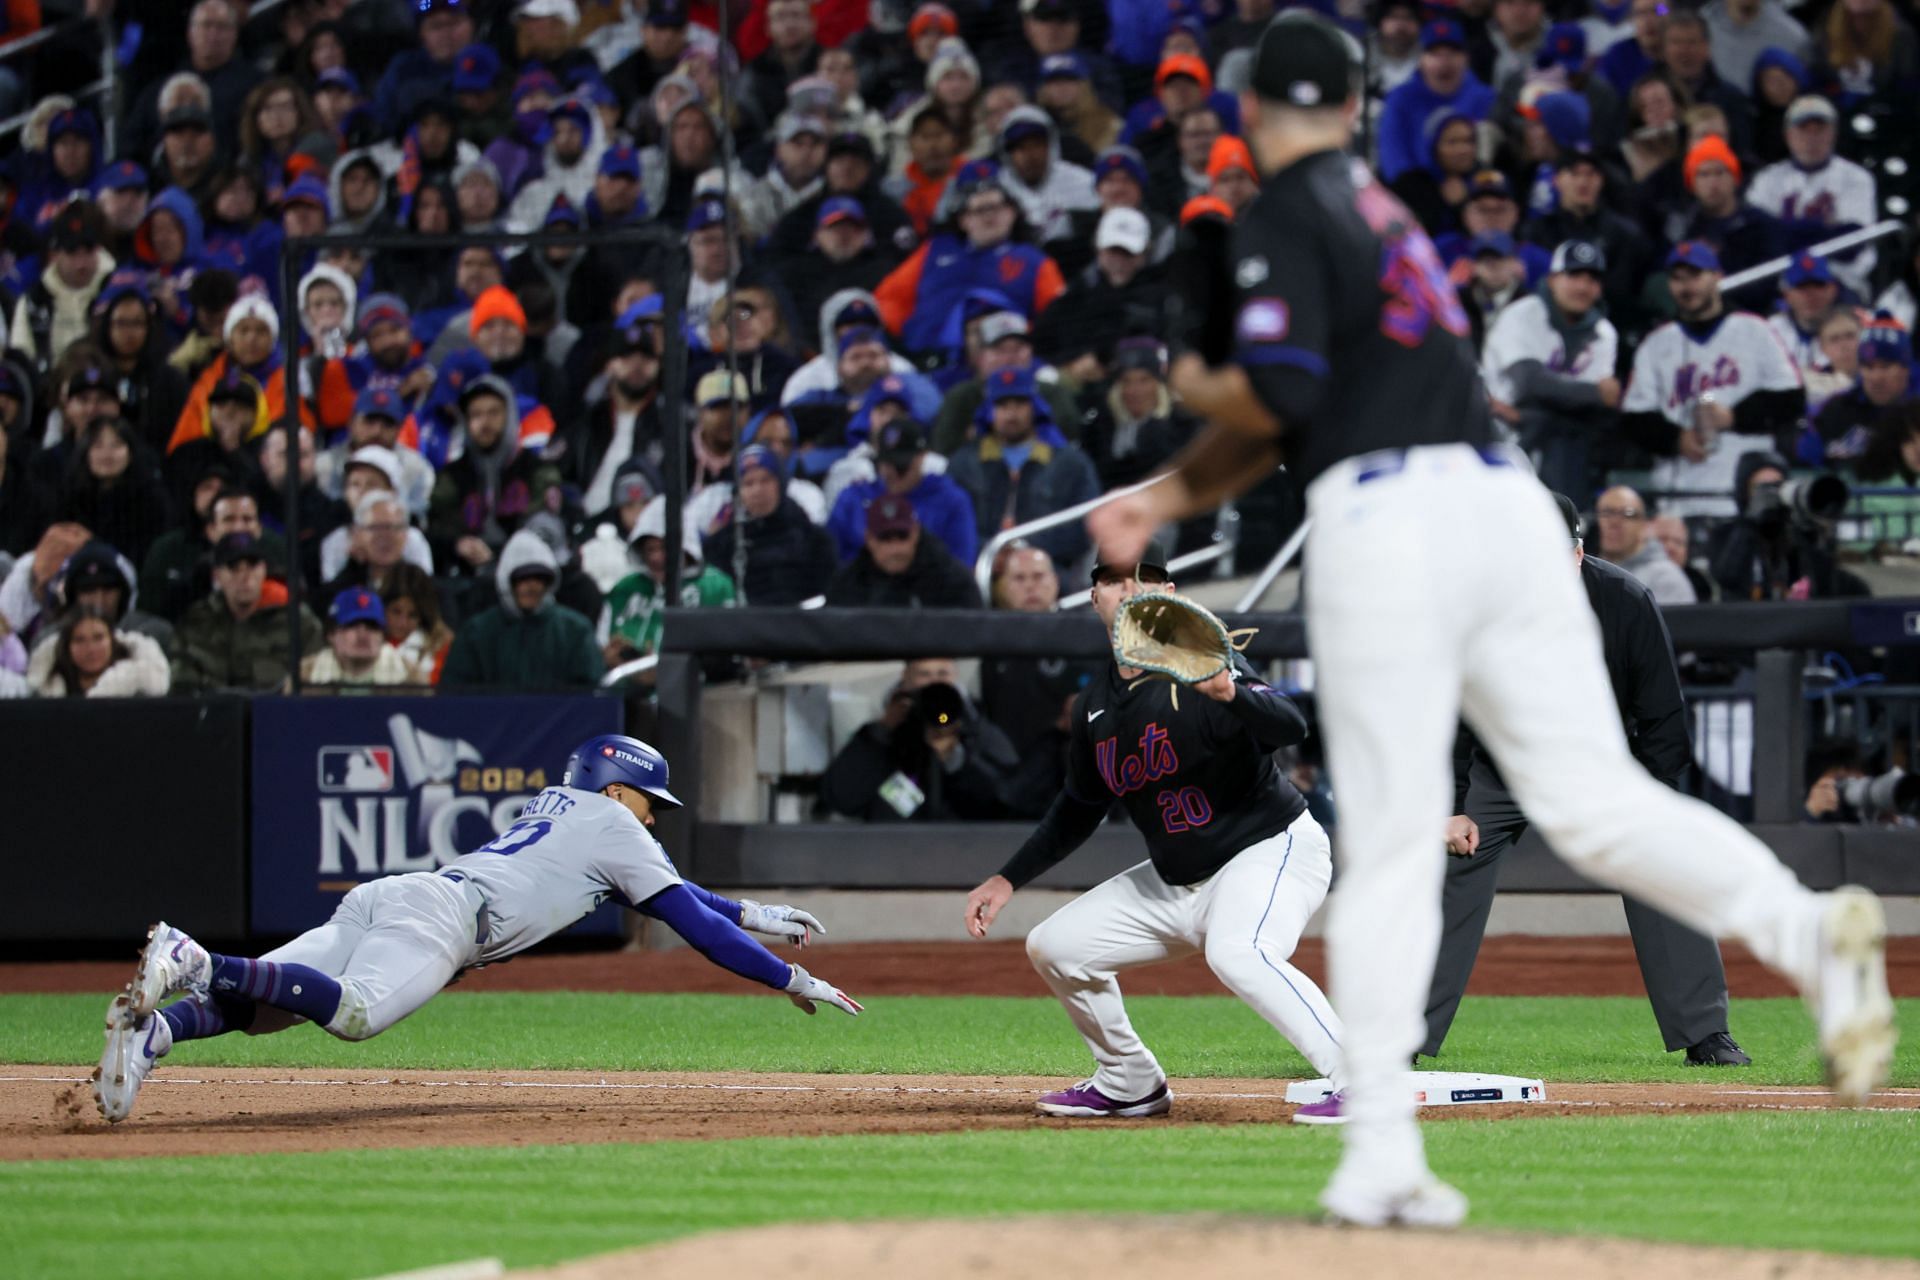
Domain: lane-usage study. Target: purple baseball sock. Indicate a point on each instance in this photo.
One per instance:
(297, 988)
(199, 1019)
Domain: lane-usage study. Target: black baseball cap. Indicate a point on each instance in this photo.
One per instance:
(236, 548)
(1153, 556)
(900, 442)
(1569, 513)
(1579, 255)
(1303, 60)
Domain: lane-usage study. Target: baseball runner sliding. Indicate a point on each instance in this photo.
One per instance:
(1437, 589)
(394, 943)
(1235, 862)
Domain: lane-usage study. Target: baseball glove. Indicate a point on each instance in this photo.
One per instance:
(1173, 638)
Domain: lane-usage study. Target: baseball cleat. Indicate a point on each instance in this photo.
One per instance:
(1329, 1110)
(170, 962)
(134, 1045)
(1083, 1100)
(1424, 1201)
(1850, 999)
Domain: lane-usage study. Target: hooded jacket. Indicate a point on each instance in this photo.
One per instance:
(337, 221)
(943, 507)
(193, 232)
(789, 557)
(334, 344)
(1053, 478)
(822, 373)
(490, 494)
(144, 672)
(58, 310)
(507, 648)
(1408, 108)
(1065, 188)
(920, 300)
(574, 181)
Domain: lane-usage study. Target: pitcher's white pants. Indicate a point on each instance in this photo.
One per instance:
(392, 943)
(1246, 917)
(1445, 587)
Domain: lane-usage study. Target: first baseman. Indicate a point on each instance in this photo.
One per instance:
(393, 943)
(1235, 862)
(1437, 589)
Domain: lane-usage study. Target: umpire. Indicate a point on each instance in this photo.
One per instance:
(1685, 981)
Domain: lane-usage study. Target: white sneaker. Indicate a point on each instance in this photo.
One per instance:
(1850, 1000)
(1423, 1201)
(134, 1045)
(170, 962)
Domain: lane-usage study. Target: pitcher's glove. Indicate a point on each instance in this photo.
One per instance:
(777, 921)
(1173, 638)
(805, 991)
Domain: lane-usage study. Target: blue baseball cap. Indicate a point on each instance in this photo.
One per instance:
(858, 311)
(305, 190)
(1565, 45)
(620, 161)
(841, 209)
(1064, 66)
(476, 69)
(633, 331)
(1497, 242)
(121, 175)
(577, 111)
(535, 80)
(380, 402)
(666, 13)
(1121, 160)
(562, 213)
(891, 389)
(337, 78)
(707, 213)
(1697, 254)
(1011, 384)
(1807, 268)
(358, 604)
(1443, 31)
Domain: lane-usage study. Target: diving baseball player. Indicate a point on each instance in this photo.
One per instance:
(1235, 862)
(1438, 589)
(393, 943)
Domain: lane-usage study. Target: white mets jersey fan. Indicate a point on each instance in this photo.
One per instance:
(1524, 331)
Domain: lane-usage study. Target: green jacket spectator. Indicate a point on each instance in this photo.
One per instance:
(528, 640)
(236, 638)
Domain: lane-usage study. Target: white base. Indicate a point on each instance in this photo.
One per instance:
(1440, 1089)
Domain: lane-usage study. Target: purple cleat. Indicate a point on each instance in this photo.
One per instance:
(1329, 1110)
(1085, 1100)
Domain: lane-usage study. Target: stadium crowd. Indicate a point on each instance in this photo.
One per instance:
(929, 253)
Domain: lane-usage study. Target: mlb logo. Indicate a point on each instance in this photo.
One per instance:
(356, 769)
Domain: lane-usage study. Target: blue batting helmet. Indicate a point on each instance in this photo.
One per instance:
(600, 762)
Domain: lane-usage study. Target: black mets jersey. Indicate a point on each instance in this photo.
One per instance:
(1346, 322)
(1197, 780)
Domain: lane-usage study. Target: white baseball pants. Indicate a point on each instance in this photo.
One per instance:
(393, 943)
(1441, 585)
(1247, 918)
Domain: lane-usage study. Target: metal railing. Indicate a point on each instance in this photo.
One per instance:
(1274, 568)
(983, 565)
(1175, 567)
(1774, 266)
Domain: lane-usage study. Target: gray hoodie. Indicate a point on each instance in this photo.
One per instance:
(1066, 187)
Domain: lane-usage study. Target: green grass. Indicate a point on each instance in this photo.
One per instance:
(1829, 1181)
(1564, 1039)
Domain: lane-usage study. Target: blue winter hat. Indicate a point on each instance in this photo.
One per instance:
(1775, 56)
(72, 120)
(760, 457)
(1494, 242)
(891, 389)
(1884, 341)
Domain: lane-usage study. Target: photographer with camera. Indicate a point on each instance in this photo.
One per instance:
(1843, 791)
(930, 757)
(1781, 545)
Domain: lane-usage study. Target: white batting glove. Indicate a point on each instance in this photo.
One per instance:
(805, 991)
(790, 923)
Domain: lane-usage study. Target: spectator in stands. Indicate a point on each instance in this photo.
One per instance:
(88, 658)
(1742, 30)
(1700, 422)
(127, 331)
(623, 421)
(377, 415)
(920, 301)
(773, 430)
(494, 487)
(1817, 187)
(1839, 362)
(188, 149)
(1394, 53)
(895, 397)
(998, 340)
(253, 357)
(1029, 699)
(97, 578)
(26, 593)
(1655, 147)
(932, 146)
(357, 652)
(234, 419)
(415, 76)
(315, 511)
(1676, 539)
(843, 254)
(1049, 28)
(1848, 422)
(89, 393)
(1623, 539)
(1120, 294)
(1014, 475)
(1136, 429)
(120, 193)
(944, 511)
(415, 627)
(1490, 208)
(930, 757)
(900, 565)
(754, 329)
(1497, 276)
(663, 42)
(1901, 299)
(792, 52)
(1066, 93)
(52, 313)
(1868, 47)
(376, 546)
(1581, 213)
(528, 640)
(1048, 188)
(370, 469)
(237, 637)
(568, 166)
(788, 558)
(1687, 51)
(633, 616)
(1893, 454)
(1444, 80)
(1809, 290)
(177, 569)
(62, 168)
(1779, 80)
(213, 55)
(1434, 189)
(1548, 366)
(113, 488)
(1631, 57)
(721, 403)
(1770, 551)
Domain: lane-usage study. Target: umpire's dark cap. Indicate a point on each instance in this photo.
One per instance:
(1303, 60)
(1154, 556)
(1570, 514)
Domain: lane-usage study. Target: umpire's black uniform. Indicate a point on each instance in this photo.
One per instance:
(1682, 970)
